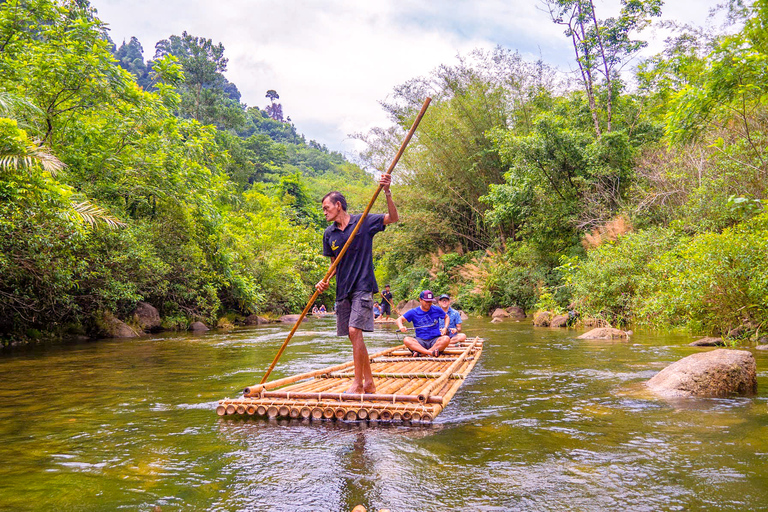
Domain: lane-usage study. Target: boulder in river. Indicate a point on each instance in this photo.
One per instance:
(290, 319)
(500, 313)
(516, 312)
(146, 317)
(496, 320)
(111, 327)
(717, 373)
(708, 342)
(198, 327)
(559, 321)
(603, 333)
(255, 320)
(762, 347)
(541, 319)
(404, 306)
(463, 315)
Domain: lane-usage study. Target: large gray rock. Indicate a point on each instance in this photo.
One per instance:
(500, 313)
(403, 306)
(541, 319)
(708, 342)
(717, 373)
(255, 320)
(516, 312)
(111, 327)
(198, 327)
(146, 317)
(603, 333)
(559, 321)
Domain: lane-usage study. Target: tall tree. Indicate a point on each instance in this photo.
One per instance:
(601, 47)
(206, 95)
(275, 110)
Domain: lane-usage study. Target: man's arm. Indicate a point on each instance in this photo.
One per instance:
(400, 323)
(444, 330)
(391, 216)
(321, 285)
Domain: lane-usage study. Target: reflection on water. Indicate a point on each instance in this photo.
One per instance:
(545, 422)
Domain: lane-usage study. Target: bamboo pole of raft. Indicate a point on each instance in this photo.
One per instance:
(424, 395)
(351, 397)
(349, 240)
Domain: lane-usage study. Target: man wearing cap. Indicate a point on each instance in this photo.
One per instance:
(430, 340)
(454, 326)
(355, 282)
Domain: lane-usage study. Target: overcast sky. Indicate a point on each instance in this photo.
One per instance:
(332, 61)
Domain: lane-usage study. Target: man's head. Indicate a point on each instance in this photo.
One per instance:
(426, 299)
(333, 204)
(386, 286)
(444, 301)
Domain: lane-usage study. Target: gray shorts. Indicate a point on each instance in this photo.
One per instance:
(355, 311)
(427, 343)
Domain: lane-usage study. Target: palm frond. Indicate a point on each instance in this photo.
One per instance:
(12, 105)
(32, 155)
(92, 214)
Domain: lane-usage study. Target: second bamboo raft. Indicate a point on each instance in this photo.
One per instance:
(410, 389)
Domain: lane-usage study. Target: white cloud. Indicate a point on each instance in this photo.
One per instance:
(333, 61)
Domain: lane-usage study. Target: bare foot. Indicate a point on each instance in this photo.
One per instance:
(354, 389)
(370, 389)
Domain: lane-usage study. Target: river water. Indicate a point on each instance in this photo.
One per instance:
(545, 422)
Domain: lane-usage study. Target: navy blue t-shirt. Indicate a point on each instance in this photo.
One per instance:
(355, 270)
(426, 323)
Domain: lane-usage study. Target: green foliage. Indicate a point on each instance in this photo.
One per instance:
(210, 220)
(713, 283)
(607, 283)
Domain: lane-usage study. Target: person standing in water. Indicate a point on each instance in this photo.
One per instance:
(355, 282)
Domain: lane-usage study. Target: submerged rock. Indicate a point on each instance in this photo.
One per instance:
(290, 319)
(603, 333)
(500, 313)
(496, 320)
(541, 318)
(762, 347)
(559, 321)
(146, 317)
(717, 373)
(708, 342)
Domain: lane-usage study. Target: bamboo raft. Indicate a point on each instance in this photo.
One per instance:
(408, 389)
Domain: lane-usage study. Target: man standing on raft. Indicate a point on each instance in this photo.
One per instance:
(355, 282)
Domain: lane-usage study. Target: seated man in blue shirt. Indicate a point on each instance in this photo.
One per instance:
(454, 326)
(430, 340)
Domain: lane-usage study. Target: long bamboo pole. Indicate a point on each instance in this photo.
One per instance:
(349, 240)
